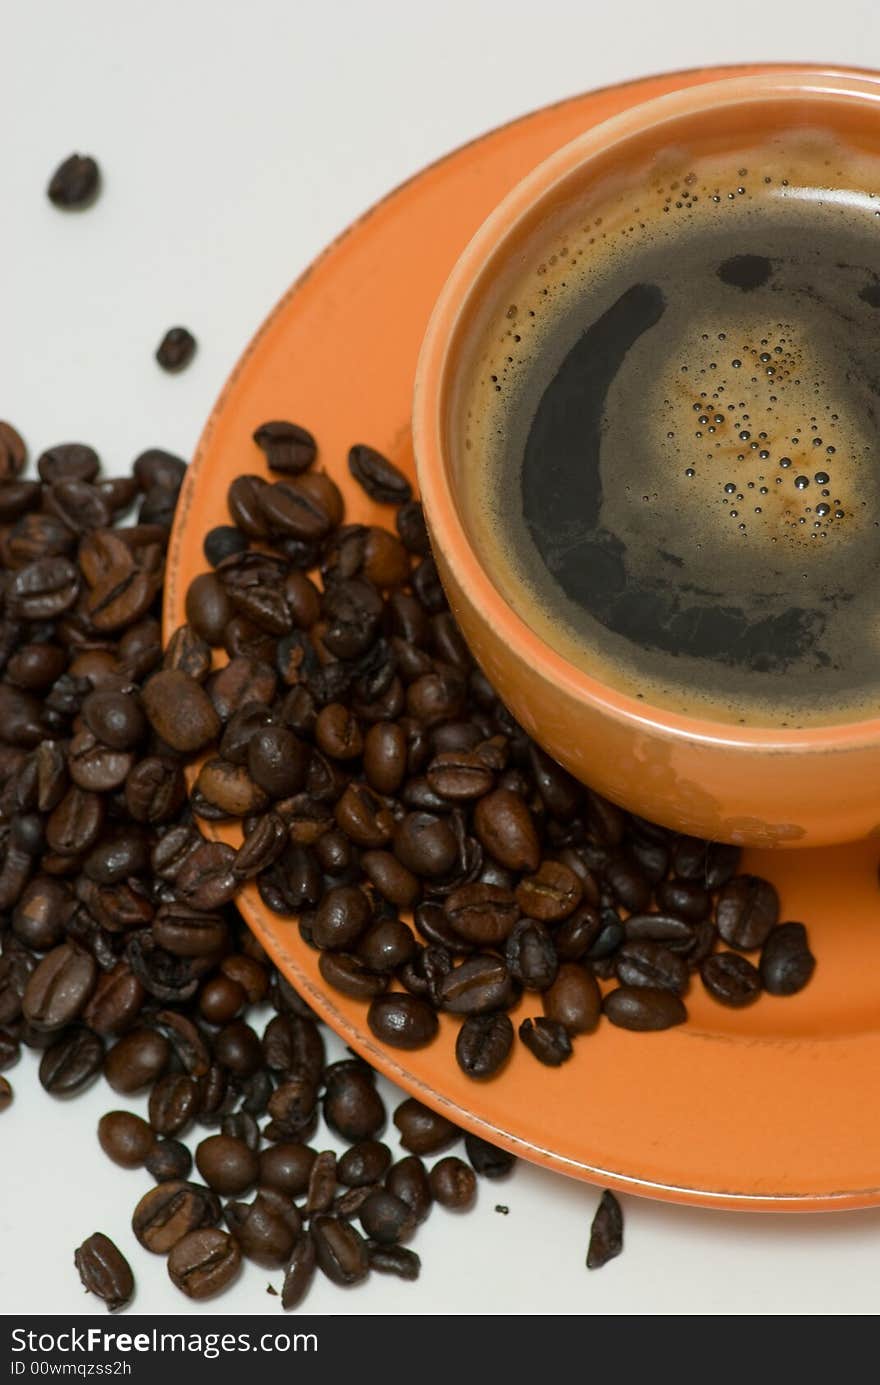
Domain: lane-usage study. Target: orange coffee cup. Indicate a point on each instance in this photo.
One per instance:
(753, 785)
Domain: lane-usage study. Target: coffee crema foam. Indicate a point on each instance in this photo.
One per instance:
(670, 457)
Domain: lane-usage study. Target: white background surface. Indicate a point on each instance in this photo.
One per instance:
(235, 140)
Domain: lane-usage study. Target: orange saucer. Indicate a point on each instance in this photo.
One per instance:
(769, 1108)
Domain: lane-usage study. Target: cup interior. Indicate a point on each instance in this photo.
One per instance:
(533, 223)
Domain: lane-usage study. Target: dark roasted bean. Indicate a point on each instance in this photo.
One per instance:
(340, 1252)
(483, 1044)
(204, 1262)
(487, 1159)
(786, 960)
(288, 448)
(577, 934)
(747, 909)
(453, 1184)
(300, 1272)
(478, 985)
(547, 1039)
(287, 1166)
(481, 914)
(675, 933)
(176, 349)
(606, 1232)
(506, 829)
(573, 1000)
(170, 1211)
(364, 1164)
(408, 1180)
(380, 478)
(423, 1131)
(397, 1260)
(138, 1059)
(531, 955)
(173, 1103)
(125, 1138)
(386, 1218)
(731, 978)
(227, 1164)
(59, 988)
(353, 1107)
(644, 1008)
(74, 184)
(104, 1271)
(168, 1160)
(685, 899)
(651, 964)
(70, 1064)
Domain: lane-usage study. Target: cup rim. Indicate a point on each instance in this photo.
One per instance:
(435, 367)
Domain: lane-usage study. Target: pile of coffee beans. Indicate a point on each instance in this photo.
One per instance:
(390, 807)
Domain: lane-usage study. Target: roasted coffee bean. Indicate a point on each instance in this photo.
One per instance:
(154, 790)
(156, 467)
(675, 933)
(397, 1260)
(208, 608)
(386, 1218)
(70, 1064)
(288, 448)
(408, 1181)
(59, 988)
(531, 955)
(115, 1002)
(644, 1008)
(685, 899)
(241, 1125)
(238, 1048)
(115, 860)
(287, 1166)
(207, 879)
(341, 917)
(300, 1272)
(137, 1060)
(477, 986)
(339, 1250)
(278, 761)
(560, 793)
(180, 711)
(731, 978)
(125, 1138)
(505, 828)
(487, 1159)
(188, 653)
(302, 507)
(35, 667)
(346, 972)
(227, 1164)
(13, 451)
(387, 944)
(364, 1164)
(292, 1104)
(576, 935)
(459, 775)
(547, 1039)
(293, 1041)
(483, 1044)
(786, 960)
(423, 1131)
(168, 1160)
(606, 1232)
(223, 541)
(747, 909)
(184, 931)
(173, 1103)
(410, 524)
(204, 1262)
(322, 1183)
(573, 1000)
(10, 1049)
(229, 788)
(651, 964)
(104, 1271)
(402, 1021)
(710, 864)
(393, 880)
(425, 844)
(6, 1093)
(381, 479)
(74, 184)
(481, 914)
(176, 349)
(453, 1184)
(352, 1106)
(266, 1229)
(551, 894)
(42, 913)
(170, 1211)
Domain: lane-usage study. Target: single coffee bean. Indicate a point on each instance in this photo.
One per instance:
(423, 1131)
(170, 1211)
(391, 878)
(644, 1008)
(353, 1107)
(74, 184)
(686, 899)
(629, 887)
(504, 825)
(300, 1272)
(381, 479)
(402, 1021)
(173, 1103)
(747, 909)
(342, 917)
(483, 1044)
(730, 978)
(70, 1064)
(125, 1138)
(347, 973)
(487, 1159)
(10, 1049)
(710, 864)
(651, 964)
(482, 914)
(176, 349)
(573, 1000)
(531, 955)
(180, 711)
(477, 986)
(364, 1164)
(277, 761)
(293, 1040)
(288, 448)
(547, 1039)
(398, 1260)
(6, 1093)
(115, 1003)
(339, 1250)
(551, 894)
(13, 451)
(408, 1180)
(786, 960)
(238, 1048)
(386, 1218)
(606, 1232)
(59, 988)
(204, 1262)
(266, 1229)
(287, 1166)
(104, 1271)
(322, 1183)
(425, 844)
(675, 933)
(223, 541)
(168, 1160)
(453, 1184)
(226, 1164)
(137, 1060)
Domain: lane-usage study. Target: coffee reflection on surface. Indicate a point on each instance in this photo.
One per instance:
(671, 448)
